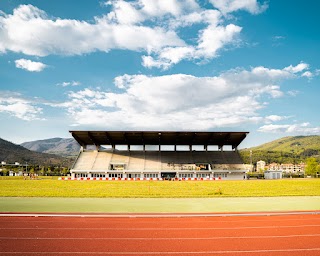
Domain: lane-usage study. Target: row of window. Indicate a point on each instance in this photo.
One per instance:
(151, 175)
(220, 175)
(147, 175)
(185, 175)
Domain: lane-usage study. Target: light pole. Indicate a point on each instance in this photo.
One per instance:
(251, 161)
(295, 158)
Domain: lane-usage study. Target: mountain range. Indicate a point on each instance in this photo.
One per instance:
(11, 153)
(58, 146)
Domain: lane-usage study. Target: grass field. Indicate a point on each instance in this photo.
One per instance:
(159, 189)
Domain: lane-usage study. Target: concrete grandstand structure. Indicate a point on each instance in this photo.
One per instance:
(158, 155)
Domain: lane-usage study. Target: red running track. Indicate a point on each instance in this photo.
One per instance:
(180, 236)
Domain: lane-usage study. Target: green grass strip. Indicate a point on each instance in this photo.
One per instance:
(158, 205)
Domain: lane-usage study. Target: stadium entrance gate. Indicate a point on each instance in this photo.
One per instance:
(168, 175)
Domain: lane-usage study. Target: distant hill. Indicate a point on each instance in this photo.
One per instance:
(11, 153)
(292, 143)
(58, 146)
(285, 150)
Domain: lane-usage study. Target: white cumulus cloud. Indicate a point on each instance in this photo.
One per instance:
(303, 128)
(307, 74)
(19, 107)
(180, 101)
(228, 6)
(153, 28)
(29, 30)
(298, 68)
(32, 66)
(72, 83)
(275, 118)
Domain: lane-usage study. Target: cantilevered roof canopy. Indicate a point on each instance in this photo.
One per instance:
(85, 138)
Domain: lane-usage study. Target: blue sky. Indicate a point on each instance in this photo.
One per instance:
(212, 65)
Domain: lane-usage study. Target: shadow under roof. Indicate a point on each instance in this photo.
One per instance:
(85, 138)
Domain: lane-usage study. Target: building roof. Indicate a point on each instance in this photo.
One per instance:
(158, 138)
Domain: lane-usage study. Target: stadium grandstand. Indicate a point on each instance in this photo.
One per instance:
(158, 155)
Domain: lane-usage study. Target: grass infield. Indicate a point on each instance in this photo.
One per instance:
(51, 195)
(159, 189)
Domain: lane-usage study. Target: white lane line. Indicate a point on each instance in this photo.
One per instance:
(156, 215)
(156, 229)
(172, 252)
(158, 238)
(47, 220)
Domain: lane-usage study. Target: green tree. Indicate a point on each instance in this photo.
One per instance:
(64, 171)
(312, 166)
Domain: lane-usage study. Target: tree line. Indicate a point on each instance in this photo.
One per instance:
(36, 169)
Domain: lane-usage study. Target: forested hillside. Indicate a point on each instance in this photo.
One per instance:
(294, 149)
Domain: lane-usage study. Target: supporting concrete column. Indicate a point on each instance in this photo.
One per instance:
(175, 147)
(113, 147)
(190, 147)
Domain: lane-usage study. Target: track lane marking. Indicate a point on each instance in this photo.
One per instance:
(165, 228)
(157, 215)
(198, 221)
(173, 252)
(158, 238)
